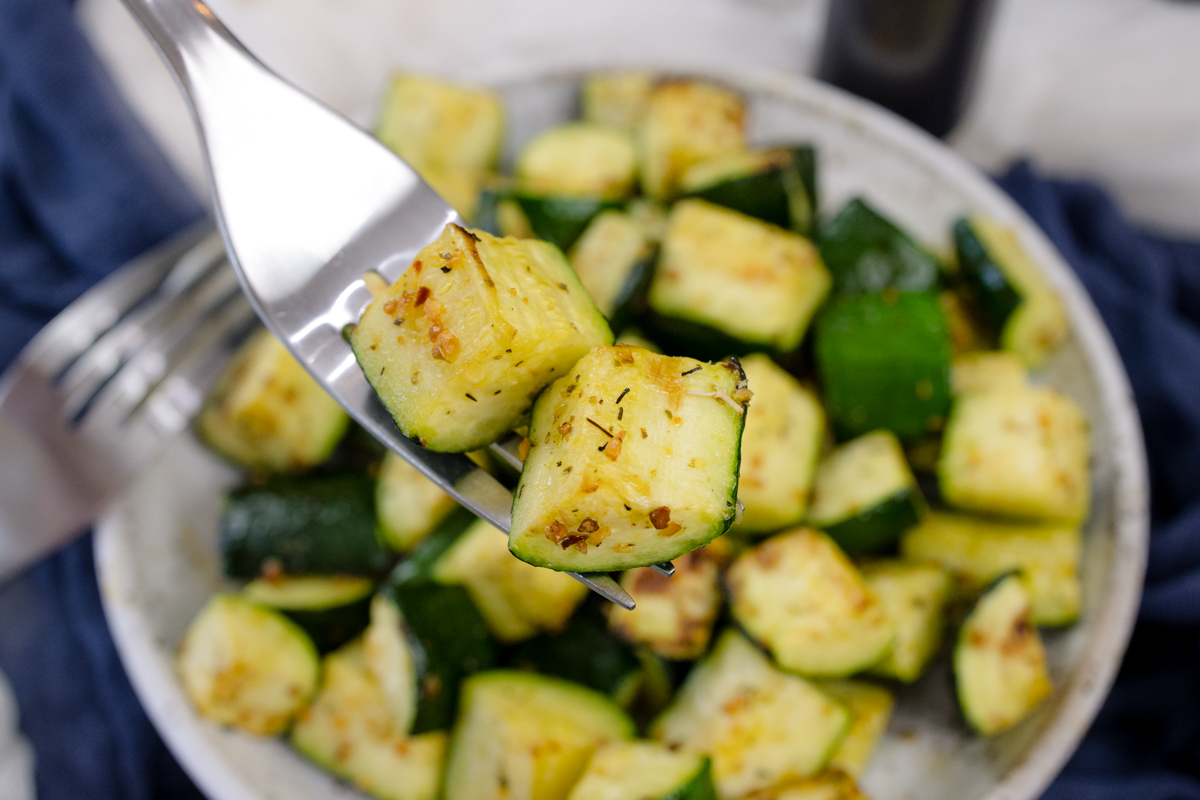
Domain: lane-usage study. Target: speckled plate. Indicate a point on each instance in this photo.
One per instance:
(156, 547)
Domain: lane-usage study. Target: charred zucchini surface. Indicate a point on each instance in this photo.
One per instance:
(999, 662)
(914, 595)
(686, 122)
(633, 460)
(579, 160)
(462, 343)
(674, 616)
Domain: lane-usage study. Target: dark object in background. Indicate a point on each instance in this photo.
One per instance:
(915, 57)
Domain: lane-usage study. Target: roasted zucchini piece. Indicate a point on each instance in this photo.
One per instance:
(686, 122)
(914, 595)
(634, 338)
(349, 730)
(408, 505)
(778, 186)
(645, 771)
(332, 609)
(1021, 453)
(462, 343)
(450, 134)
(987, 371)
(558, 220)
(1009, 288)
(246, 665)
(522, 736)
(617, 99)
(977, 551)
(674, 616)
(651, 215)
(999, 661)
(584, 652)
(267, 412)
(614, 259)
(579, 159)
(727, 281)
(758, 724)
(829, 785)
(870, 707)
(884, 362)
(865, 495)
(785, 427)
(868, 253)
(313, 525)
(633, 461)
(517, 600)
(800, 596)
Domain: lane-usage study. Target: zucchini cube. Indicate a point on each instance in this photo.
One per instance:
(867, 253)
(1020, 453)
(987, 371)
(884, 362)
(785, 427)
(800, 596)
(865, 495)
(832, 784)
(331, 609)
(579, 159)
(914, 595)
(585, 652)
(870, 707)
(267, 412)
(461, 344)
(1015, 297)
(617, 99)
(639, 770)
(728, 281)
(977, 551)
(408, 506)
(999, 662)
(686, 122)
(778, 186)
(614, 259)
(759, 724)
(349, 731)
(633, 460)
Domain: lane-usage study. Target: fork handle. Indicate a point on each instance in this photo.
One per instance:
(187, 34)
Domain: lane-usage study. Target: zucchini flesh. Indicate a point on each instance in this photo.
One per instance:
(750, 281)
(556, 219)
(632, 337)
(246, 665)
(459, 346)
(1010, 289)
(617, 99)
(579, 159)
(868, 253)
(999, 663)
(267, 412)
(915, 597)
(800, 596)
(317, 525)
(870, 708)
(331, 609)
(778, 186)
(392, 661)
(785, 427)
(829, 785)
(674, 616)
(758, 724)
(614, 259)
(645, 771)
(522, 736)
(633, 461)
(1021, 453)
(408, 505)
(977, 551)
(686, 122)
(586, 653)
(884, 362)
(865, 495)
(349, 731)
(518, 601)
(450, 134)
(988, 371)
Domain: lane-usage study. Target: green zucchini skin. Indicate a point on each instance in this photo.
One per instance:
(884, 362)
(419, 565)
(561, 220)
(317, 525)
(487, 211)
(696, 340)
(867, 253)
(330, 628)
(994, 295)
(584, 652)
(630, 302)
(879, 527)
(784, 194)
(698, 788)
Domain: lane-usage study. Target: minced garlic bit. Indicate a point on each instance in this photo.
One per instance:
(660, 517)
(523, 448)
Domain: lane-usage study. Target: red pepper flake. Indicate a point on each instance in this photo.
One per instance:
(556, 531)
(422, 295)
(390, 306)
(523, 448)
(660, 517)
(613, 448)
(577, 539)
(564, 430)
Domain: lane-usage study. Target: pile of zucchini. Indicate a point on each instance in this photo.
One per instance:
(863, 401)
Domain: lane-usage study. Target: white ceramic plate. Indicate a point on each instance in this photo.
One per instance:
(156, 548)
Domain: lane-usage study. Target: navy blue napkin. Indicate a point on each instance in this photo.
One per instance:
(82, 189)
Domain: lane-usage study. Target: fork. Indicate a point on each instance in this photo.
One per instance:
(307, 205)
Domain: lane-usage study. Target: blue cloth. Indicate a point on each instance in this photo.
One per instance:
(82, 189)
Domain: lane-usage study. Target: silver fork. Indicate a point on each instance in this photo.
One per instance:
(307, 204)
